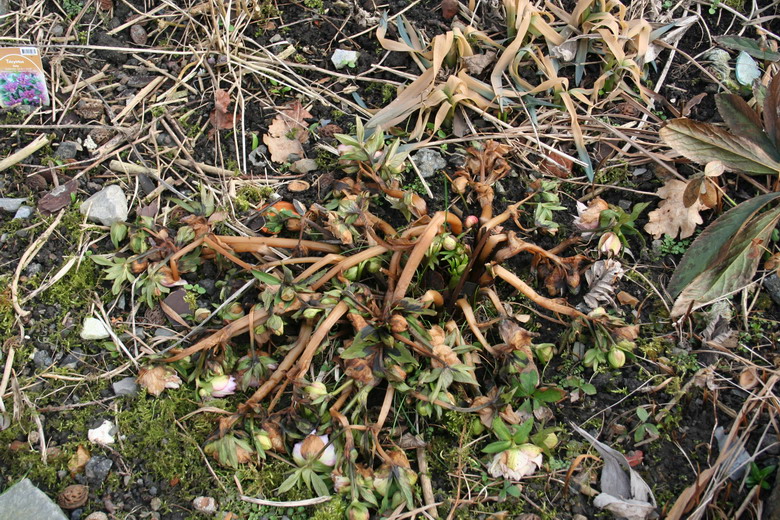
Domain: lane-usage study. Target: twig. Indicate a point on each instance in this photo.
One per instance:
(295, 503)
(41, 141)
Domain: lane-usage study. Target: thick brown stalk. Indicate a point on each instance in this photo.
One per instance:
(490, 245)
(223, 335)
(527, 291)
(330, 258)
(300, 260)
(292, 356)
(415, 257)
(215, 244)
(517, 246)
(317, 338)
(468, 313)
(348, 262)
(251, 244)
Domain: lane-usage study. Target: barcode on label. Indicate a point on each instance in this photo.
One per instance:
(28, 51)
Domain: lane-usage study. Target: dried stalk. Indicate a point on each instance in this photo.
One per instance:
(416, 256)
(317, 338)
(527, 291)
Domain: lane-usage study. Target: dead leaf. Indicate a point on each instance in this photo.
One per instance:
(477, 63)
(748, 378)
(78, 460)
(602, 277)
(588, 216)
(287, 133)
(298, 186)
(57, 198)
(157, 379)
(672, 217)
(220, 118)
(627, 299)
(556, 165)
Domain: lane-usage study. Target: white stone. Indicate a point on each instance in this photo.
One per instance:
(102, 434)
(107, 206)
(93, 329)
(342, 58)
(205, 505)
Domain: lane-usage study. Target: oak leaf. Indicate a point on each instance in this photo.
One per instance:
(672, 217)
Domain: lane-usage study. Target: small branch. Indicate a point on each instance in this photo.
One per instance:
(551, 305)
(41, 141)
(294, 503)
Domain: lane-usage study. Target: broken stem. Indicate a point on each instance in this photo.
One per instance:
(527, 291)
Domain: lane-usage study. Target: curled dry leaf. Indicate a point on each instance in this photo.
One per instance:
(220, 117)
(627, 299)
(672, 216)
(89, 108)
(602, 277)
(288, 132)
(748, 378)
(556, 165)
(444, 355)
(157, 379)
(79, 460)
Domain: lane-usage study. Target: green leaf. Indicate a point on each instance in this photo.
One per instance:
(496, 447)
(319, 485)
(364, 340)
(549, 395)
(705, 249)
(733, 268)
(746, 70)
(521, 435)
(744, 121)
(639, 434)
(513, 491)
(703, 142)
(290, 482)
(266, 278)
(500, 429)
(642, 414)
(748, 45)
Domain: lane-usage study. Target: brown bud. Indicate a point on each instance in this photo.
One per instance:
(398, 323)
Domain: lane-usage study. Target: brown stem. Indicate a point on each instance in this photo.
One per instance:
(490, 245)
(214, 243)
(234, 328)
(251, 244)
(416, 256)
(468, 313)
(317, 338)
(347, 263)
(292, 356)
(322, 262)
(527, 291)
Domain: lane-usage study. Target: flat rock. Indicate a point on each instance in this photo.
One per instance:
(24, 500)
(94, 329)
(23, 213)
(97, 469)
(11, 205)
(126, 386)
(66, 150)
(428, 161)
(772, 286)
(107, 206)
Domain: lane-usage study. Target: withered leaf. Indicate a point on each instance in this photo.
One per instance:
(220, 117)
(672, 217)
(79, 460)
(57, 198)
(602, 277)
(157, 379)
(287, 132)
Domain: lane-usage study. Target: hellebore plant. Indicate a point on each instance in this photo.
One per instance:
(518, 455)
(315, 454)
(218, 387)
(21, 88)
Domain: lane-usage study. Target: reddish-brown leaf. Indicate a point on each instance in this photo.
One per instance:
(220, 117)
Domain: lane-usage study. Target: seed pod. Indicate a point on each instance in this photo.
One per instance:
(73, 497)
(616, 358)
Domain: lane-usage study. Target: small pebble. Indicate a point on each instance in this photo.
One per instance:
(155, 504)
(205, 505)
(23, 213)
(97, 515)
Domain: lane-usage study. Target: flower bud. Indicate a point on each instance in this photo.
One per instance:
(201, 314)
(544, 352)
(609, 244)
(449, 243)
(374, 265)
(287, 294)
(310, 447)
(358, 511)
(459, 184)
(424, 408)
(352, 273)
(315, 390)
(218, 386)
(263, 440)
(616, 358)
(471, 221)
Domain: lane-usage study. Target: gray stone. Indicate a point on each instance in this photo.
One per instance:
(126, 386)
(107, 206)
(42, 359)
(33, 269)
(23, 213)
(24, 500)
(303, 166)
(97, 469)
(11, 205)
(73, 358)
(772, 286)
(66, 150)
(428, 161)
(163, 333)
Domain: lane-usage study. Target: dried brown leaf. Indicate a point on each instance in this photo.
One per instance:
(672, 217)
(287, 132)
(602, 277)
(78, 460)
(221, 118)
(157, 379)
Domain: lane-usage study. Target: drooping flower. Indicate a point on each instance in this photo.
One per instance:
(310, 447)
(516, 463)
(218, 386)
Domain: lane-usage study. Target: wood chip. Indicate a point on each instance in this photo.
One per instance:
(627, 299)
